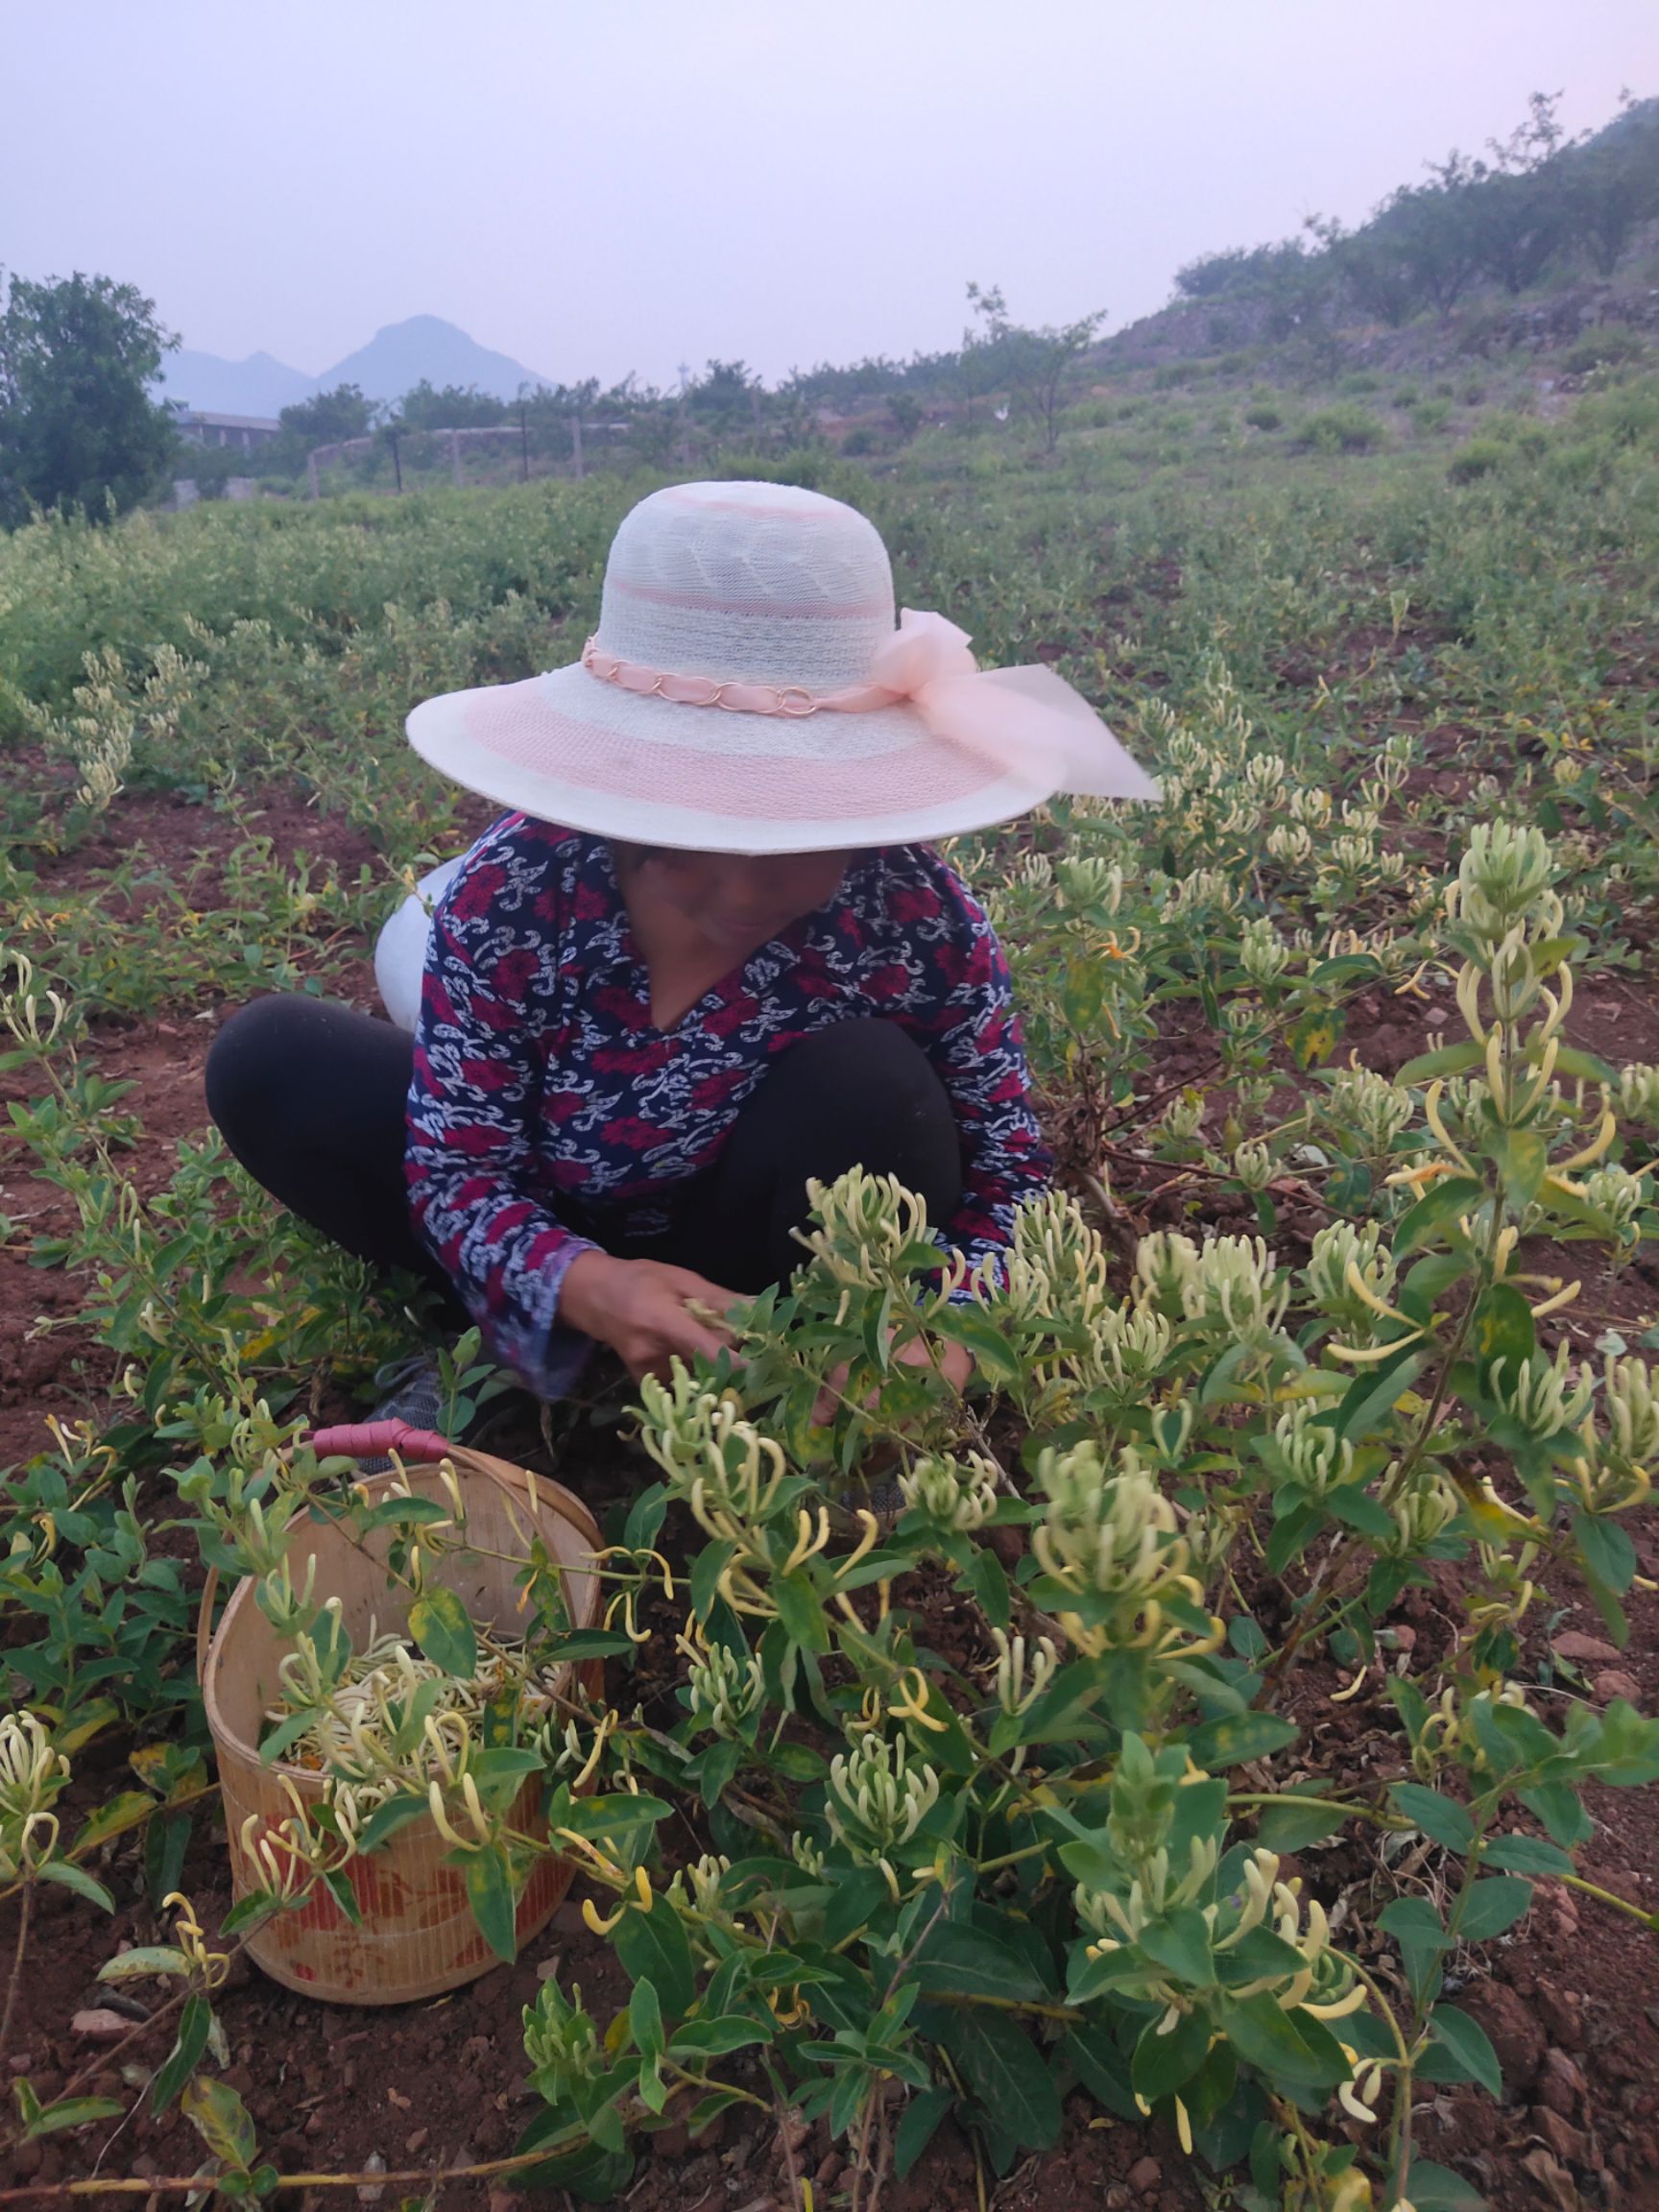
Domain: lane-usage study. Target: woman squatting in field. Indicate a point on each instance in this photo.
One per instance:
(707, 957)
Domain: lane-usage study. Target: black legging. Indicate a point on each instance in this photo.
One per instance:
(310, 1099)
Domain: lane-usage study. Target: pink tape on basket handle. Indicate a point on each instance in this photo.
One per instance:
(374, 1439)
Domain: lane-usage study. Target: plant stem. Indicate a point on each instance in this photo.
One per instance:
(174, 2184)
(15, 1977)
(1602, 1896)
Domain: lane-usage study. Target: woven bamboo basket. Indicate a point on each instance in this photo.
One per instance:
(416, 1935)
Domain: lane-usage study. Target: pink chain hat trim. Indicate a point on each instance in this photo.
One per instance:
(789, 700)
(1025, 720)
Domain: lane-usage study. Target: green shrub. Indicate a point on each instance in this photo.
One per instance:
(1342, 429)
(1262, 415)
(1428, 415)
(1610, 346)
(1361, 380)
(1479, 458)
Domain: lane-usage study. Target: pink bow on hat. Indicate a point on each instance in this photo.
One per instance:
(1026, 721)
(1021, 719)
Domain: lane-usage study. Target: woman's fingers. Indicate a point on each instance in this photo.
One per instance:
(829, 1398)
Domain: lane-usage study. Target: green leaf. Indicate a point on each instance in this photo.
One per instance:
(146, 1959)
(166, 1839)
(1438, 2189)
(919, 2126)
(124, 1811)
(1181, 1945)
(386, 1821)
(1525, 1855)
(1559, 1805)
(1504, 1329)
(1583, 1066)
(1286, 1827)
(1371, 1397)
(489, 1877)
(287, 1734)
(1522, 1158)
(69, 2112)
(1606, 1549)
(1313, 1036)
(195, 2026)
(715, 2038)
(706, 1569)
(1449, 1198)
(652, 1947)
(1296, 2054)
(1441, 1820)
(1465, 2043)
(997, 2061)
(1102, 2068)
(1239, 1736)
(70, 1876)
(856, 1896)
(962, 1961)
(612, 1816)
(590, 1644)
(1164, 2064)
(1415, 1926)
(801, 1610)
(441, 1624)
(972, 1327)
(1450, 1060)
(988, 1579)
(646, 2019)
(221, 2119)
(1492, 1905)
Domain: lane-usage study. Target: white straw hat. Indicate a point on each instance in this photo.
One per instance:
(746, 691)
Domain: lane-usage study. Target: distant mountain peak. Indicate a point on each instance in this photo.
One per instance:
(395, 360)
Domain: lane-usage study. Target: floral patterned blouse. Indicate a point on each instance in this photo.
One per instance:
(539, 1075)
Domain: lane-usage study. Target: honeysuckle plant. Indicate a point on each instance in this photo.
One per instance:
(969, 1883)
(1055, 1857)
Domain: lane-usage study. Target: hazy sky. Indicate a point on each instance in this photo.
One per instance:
(631, 183)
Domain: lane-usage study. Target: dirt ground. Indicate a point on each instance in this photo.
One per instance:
(1571, 1999)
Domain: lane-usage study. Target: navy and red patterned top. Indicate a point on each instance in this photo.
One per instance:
(540, 1076)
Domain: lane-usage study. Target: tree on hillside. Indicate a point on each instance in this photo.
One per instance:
(1612, 183)
(78, 427)
(329, 418)
(725, 397)
(450, 407)
(1033, 363)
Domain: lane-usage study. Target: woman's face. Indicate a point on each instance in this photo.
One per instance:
(733, 903)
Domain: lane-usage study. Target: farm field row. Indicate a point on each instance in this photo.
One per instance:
(1230, 1780)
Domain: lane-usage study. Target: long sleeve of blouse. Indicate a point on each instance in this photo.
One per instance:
(540, 1081)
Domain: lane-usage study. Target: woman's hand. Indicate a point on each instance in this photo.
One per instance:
(642, 1308)
(955, 1362)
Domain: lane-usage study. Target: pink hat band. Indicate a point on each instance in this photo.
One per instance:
(925, 663)
(773, 605)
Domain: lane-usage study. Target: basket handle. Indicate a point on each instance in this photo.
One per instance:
(366, 1440)
(376, 1439)
(358, 1440)
(204, 1623)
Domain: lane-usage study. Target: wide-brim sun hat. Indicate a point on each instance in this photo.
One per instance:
(747, 691)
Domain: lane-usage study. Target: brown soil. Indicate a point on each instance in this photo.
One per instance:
(1568, 1999)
